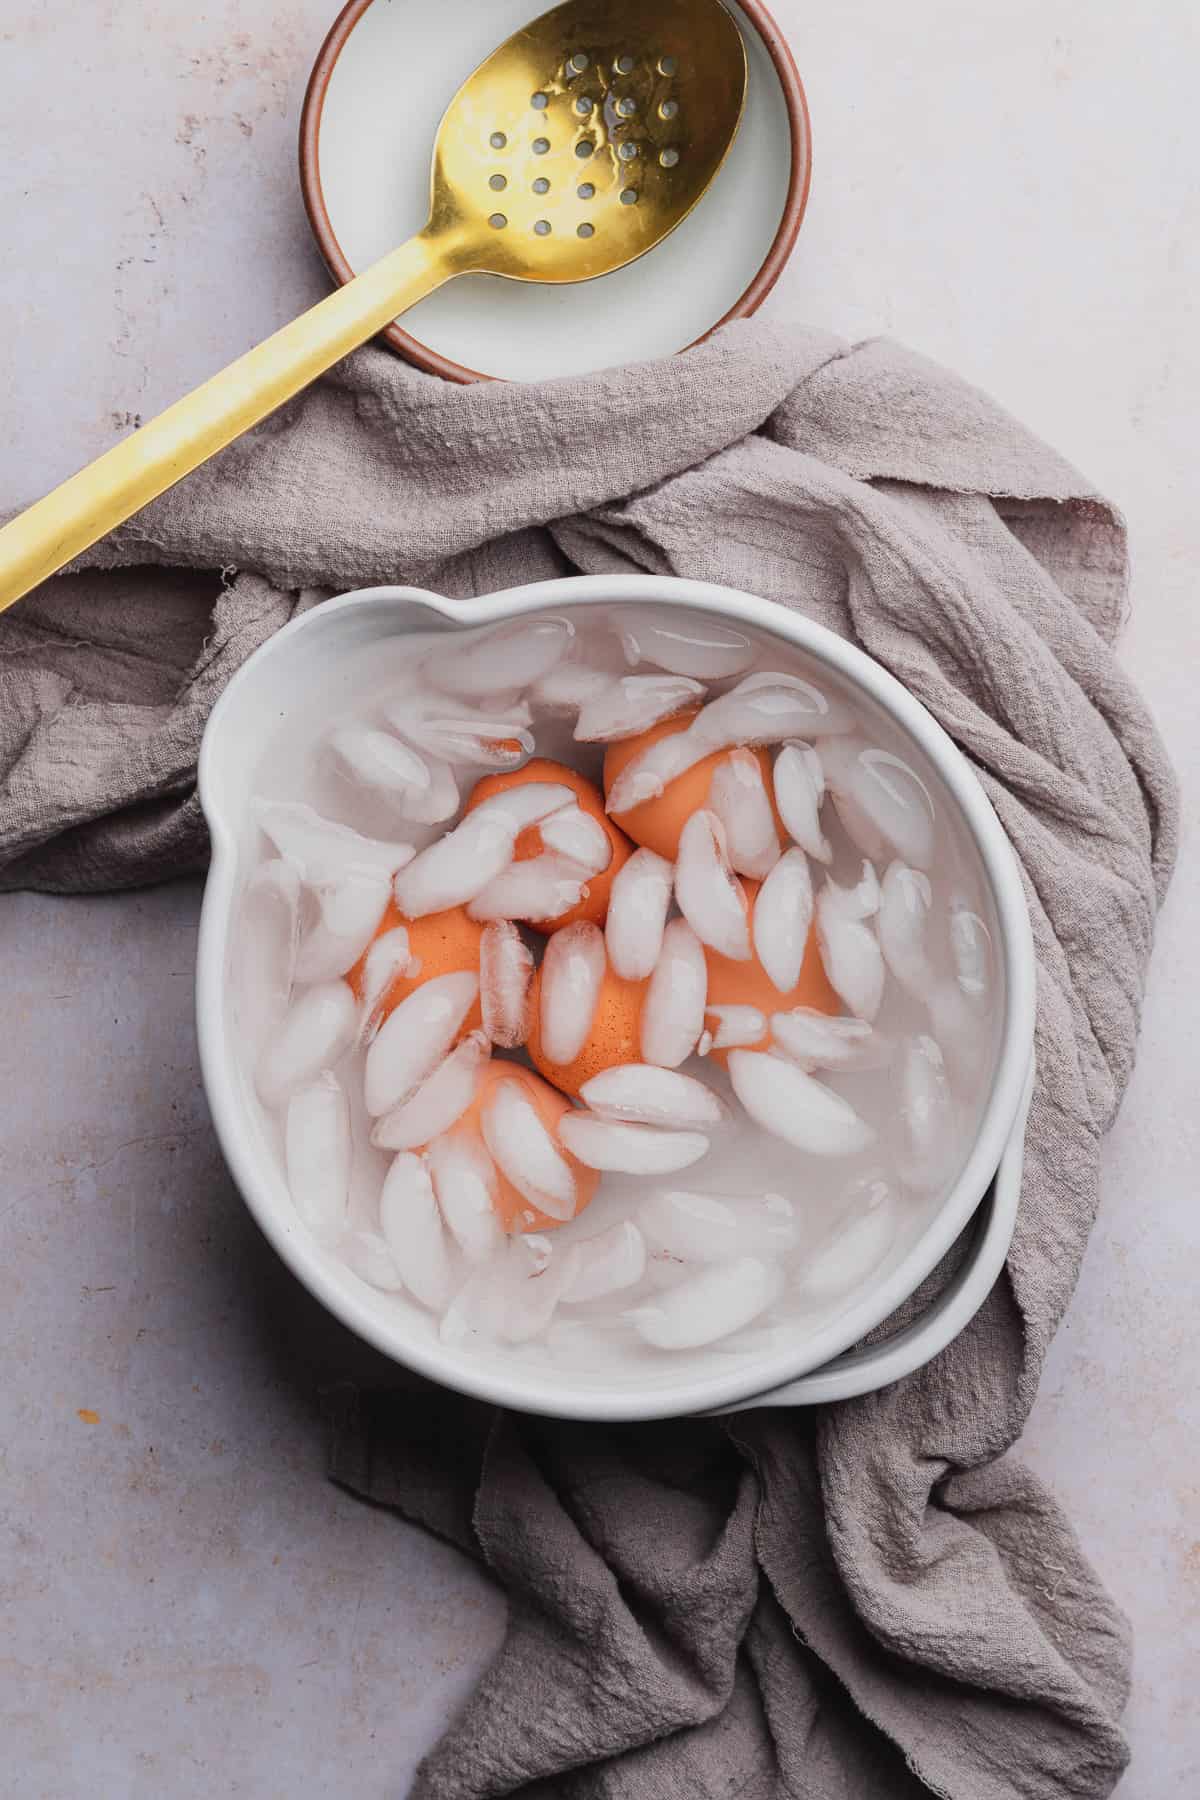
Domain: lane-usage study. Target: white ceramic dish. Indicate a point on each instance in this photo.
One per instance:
(299, 667)
(377, 94)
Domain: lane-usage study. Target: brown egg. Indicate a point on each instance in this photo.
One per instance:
(443, 943)
(512, 1208)
(594, 904)
(657, 824)
(614, 1036)
(748, 984)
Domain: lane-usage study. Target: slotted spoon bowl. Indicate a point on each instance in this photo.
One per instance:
(573, 149)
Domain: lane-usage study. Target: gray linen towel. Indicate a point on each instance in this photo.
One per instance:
(872, 1600)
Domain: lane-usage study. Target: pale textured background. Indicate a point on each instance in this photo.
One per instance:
(188, 1608)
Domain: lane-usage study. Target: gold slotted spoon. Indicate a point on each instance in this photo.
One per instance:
(575, 148)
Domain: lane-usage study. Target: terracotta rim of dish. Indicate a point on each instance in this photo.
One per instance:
(411, 348)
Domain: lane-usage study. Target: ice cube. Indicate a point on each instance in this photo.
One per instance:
(971, 948)
(413, 1231)
(708, 893)
(268, 938)
(380, 762)
(886, 792)
(906, 899)
(707, 651)
(957, 1025)
(641, 1093)
(859, 828)
(606, 1264)
(637, 914)
(632, 704)
(715, 1227)
(769, 709)
(838, 716)
(317, 1155)
(858, 902)
(508, 657)
(928, 1111)
(514, 809)
(673, 1009)
(515, 711)
(537, 890)
(453, 733)
(435, 804)
(316, 1032)
(850, 1253)
(569, 686)
(738, 796)
(534, 1274)
(464, 1180)
(475, 1316)
(389, 957)
(664, 1270)
(323, 850)
(511, 1298)
(415, 1037)
(783, 912)
(815, 1041)
(578, 837)
(573, 971)
(736, 1026)
(349, 915)
(367, 1254)
(440, 1101)
(493, 744)
(456, 867)
(850, 952)
(799, 790)
(505, 981)
(792, 1106)
(646, 775)
(629, 1149)
(722, 1298)
(525, 1152)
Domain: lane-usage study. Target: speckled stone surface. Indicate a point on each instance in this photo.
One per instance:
(188, 1607)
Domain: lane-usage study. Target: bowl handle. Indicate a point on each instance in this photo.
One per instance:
(875, 1365)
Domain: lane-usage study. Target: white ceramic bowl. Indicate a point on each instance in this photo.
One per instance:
(299, 667)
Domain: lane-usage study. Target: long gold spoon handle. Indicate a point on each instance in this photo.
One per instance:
(150, 460)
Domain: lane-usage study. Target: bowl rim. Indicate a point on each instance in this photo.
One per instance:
(532, 1391)
(422, 355)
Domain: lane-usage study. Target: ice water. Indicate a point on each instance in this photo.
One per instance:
(736, 1169)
